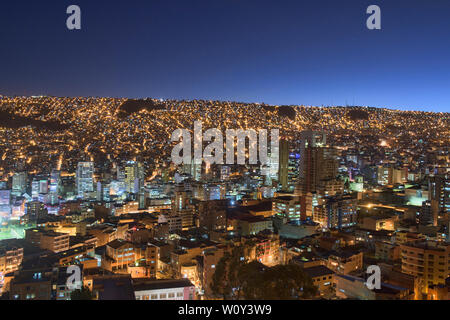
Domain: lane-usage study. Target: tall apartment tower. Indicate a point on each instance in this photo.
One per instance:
(181, 209)
(19, 183)
(55, 181)
(318, 162)
(85, 178)
(134, 176)
(283, 169)
(439, 193)
(448, 232)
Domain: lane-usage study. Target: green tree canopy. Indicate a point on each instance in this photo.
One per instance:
(82, 294)
(236, 278)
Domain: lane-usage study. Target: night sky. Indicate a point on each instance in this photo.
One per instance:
(312, 52)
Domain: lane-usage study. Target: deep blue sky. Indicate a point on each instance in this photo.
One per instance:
(315, 52)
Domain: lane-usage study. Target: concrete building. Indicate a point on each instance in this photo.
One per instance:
(283, 168)
(387, 251)
(212, 214)
(134, 176)
(351, 287)
(85, 178)
(429, 260)
(246, 225)
(439, 189)
(48, 240)
(19, 183)
(177, 289)
(10, 260)
(380, 222)
(341, 211)
(322, 277)
(345, 261)
(286, 207)
(118, 255)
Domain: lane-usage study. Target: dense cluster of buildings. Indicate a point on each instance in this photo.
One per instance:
(355, 187)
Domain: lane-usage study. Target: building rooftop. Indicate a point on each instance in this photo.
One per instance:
(429, 245)
(318, 271)
(284, 198)
(145, 284)
(116, 244)
(114, 287)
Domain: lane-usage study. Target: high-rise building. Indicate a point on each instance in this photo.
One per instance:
(35, 210)
(341, 211)
(439, 194)
(85, 178)
(194, 169)
(35, 189)
(142, 198)
(39, 186)
(448, 232)
(309, 139)
(5, 204)
(19, 183)
(425, 214)
(54, 187)
(181, 207)
(55, 181)
(43, 186)
(318, 165)
(284, 163)
(134, 176)
(293, 170)
(103, 191)
(5, 197)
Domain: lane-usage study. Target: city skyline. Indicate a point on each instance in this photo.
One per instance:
(138, 99)
(223, 151)
(143, 99)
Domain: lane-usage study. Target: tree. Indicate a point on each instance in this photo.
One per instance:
(281, 282)
(220, 285)
(250, 277)
(226, 281)
(236, 278)
(82, 294)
